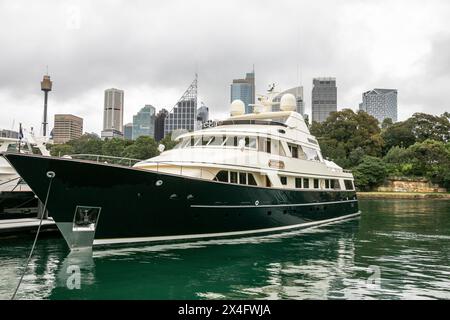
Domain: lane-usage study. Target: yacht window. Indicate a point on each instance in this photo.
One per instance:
(305, 183)
(197, 141)
(327, 184)
(251, 180)
(268, 183)
(294, 150)
(298, 182)
(216, 141)
(12, 147)
(250, 142)
(242, 178)
(283, 180)
(301, 153)
(334, 184)
(205, 140)
(191, 142)
(348, 184)
(235, 141)
(233, 177)
(316, 183)
(179, 144)
(311, 154)
(222, 176)
(268, 146)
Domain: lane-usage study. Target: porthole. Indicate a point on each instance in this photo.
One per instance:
(281, 131)
(159, 183)
(269, 213)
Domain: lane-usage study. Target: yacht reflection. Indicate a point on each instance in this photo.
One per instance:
(294, 265)
(76, 270)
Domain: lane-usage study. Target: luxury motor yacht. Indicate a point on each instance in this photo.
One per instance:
(249, 174)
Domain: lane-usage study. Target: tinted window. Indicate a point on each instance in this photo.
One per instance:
(222, 176)
(306, 183)
(242, 178)
(298, 182)
(327, 184)
(316, 183)
(348, 184)
(283, 180)
(233, 177)
(251, 180)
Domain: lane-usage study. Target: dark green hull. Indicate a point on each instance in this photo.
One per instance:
(135, 205)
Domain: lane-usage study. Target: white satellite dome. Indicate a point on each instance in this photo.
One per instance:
(237, 108)
(288, 102)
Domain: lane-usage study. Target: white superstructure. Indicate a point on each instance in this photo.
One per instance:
(265, 148)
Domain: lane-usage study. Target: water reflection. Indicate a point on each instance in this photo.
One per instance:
(398, 249)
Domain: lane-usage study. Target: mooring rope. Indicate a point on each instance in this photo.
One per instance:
(50, 175)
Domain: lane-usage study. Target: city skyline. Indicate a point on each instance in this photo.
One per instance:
(83, 59)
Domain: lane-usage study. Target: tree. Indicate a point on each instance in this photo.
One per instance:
(87, 144)
(143, 147)
(168, 142)
(114, 147)
(59, 150)
(399, 134)
(370, 173)
(387, 122)
(431, 159)
(344, 131)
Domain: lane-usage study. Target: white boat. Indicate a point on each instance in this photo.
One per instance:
(9, 179)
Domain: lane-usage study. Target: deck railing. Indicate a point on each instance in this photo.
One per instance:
(128, 162)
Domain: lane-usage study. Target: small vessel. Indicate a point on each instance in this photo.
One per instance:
(249, 174)
(9, 179)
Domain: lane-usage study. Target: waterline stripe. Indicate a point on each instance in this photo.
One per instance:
(272, 205)
(221, 234)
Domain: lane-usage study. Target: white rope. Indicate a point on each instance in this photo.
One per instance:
(50, 175)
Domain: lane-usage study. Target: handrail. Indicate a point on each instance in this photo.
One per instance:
(100, 158)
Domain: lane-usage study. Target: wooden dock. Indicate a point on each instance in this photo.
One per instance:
(12, 227)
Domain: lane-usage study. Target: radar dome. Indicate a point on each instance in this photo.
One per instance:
(237, 108)
(288, 102)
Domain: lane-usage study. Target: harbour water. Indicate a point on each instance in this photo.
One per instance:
(397, 249)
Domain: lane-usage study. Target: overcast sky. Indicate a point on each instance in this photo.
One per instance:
(152, 49)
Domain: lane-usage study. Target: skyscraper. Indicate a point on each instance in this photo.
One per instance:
(184, 114)
(67, 127)
(113, 113)
(128, 131)
(297, 92)
(244, 89)
(380, 103)
(144, 122)
(159, 124)
(324, 98)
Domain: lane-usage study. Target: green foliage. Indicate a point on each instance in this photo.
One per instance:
(114, 147)
(416, 147)
(168, 142)
(345, 131)
(418, 128)
(370, 173)
(386, 123)
(59, 150)
(142, 148)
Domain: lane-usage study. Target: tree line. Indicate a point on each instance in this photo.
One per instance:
(416, 147)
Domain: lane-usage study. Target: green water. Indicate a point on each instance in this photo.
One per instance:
(397, 249)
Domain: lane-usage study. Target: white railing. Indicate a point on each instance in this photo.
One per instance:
(128, 162)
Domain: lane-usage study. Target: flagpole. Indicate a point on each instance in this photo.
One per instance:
(20, 135)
